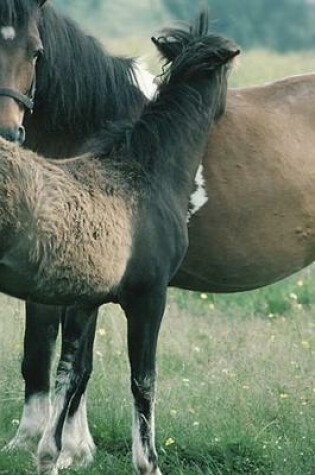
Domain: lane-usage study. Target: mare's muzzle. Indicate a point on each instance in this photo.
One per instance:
(13, 134)
(17, 134)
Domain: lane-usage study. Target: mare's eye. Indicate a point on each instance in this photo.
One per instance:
(37, 53)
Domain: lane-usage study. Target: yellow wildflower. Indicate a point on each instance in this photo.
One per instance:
(169, 441)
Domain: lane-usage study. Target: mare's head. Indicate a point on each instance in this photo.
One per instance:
(20, 46)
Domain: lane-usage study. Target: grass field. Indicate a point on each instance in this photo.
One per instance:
(253, 67)
(236, 391)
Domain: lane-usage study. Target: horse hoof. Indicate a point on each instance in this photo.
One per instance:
(81, 456)
(47, 457)
(77, 443)
(46, 465)
(66, 460)
(156, 471)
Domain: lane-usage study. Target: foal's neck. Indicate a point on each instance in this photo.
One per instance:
(175, 130)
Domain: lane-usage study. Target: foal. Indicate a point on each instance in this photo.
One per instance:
(111, 224)
(73, 87)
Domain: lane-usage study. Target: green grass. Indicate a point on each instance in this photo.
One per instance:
(252, 67)
(236, 391)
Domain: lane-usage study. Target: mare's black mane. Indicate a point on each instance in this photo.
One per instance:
(16, 13)
(79, 83)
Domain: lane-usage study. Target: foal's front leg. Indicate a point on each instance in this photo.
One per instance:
(144, 314)
(41, 330)
(72, 377)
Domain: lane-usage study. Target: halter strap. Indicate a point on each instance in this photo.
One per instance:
(26, 101)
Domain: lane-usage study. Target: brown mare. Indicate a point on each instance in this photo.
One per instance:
(258, 224)
(111, 225)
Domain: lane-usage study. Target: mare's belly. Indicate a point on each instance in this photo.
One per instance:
(257, 227)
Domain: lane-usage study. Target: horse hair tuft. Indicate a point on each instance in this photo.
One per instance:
(193, 47)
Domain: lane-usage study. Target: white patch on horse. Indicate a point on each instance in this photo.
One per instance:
(77, 443)
(48, 453)
(35, 415)
(144, 80)
(139, 455)
(8, 33)
(199, 197)
(139, 452)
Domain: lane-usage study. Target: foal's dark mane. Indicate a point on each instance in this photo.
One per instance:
(207, 53)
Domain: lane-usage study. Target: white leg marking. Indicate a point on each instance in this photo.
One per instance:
(8, 33)
(139, 452)
(199, 197)
(48, 453)
(77, 443)
(35, 415)
(144, 80)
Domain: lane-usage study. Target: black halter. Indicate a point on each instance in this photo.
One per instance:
(26, 100)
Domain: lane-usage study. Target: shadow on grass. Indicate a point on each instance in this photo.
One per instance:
(233, 459)
(228, 459)
(115, 446)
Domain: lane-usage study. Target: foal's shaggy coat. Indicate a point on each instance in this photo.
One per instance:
(72, 236)
(111, 225)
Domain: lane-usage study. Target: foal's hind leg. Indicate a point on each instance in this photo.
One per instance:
(41, 331)
(144, 314)
(72, 377)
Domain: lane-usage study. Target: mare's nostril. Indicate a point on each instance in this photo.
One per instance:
(16, 134)
(20, 135)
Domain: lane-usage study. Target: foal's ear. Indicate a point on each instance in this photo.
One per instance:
(231, 54)
(167, 47)
(41, 2)
(225, 56)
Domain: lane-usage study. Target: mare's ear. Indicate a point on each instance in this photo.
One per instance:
(41, 2)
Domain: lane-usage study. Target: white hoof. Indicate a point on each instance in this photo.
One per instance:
(149, 471)
(47, 456)
(77, 443)
(82, 457)
(46, 464)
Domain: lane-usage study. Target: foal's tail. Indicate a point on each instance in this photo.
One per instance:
(193, 49)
